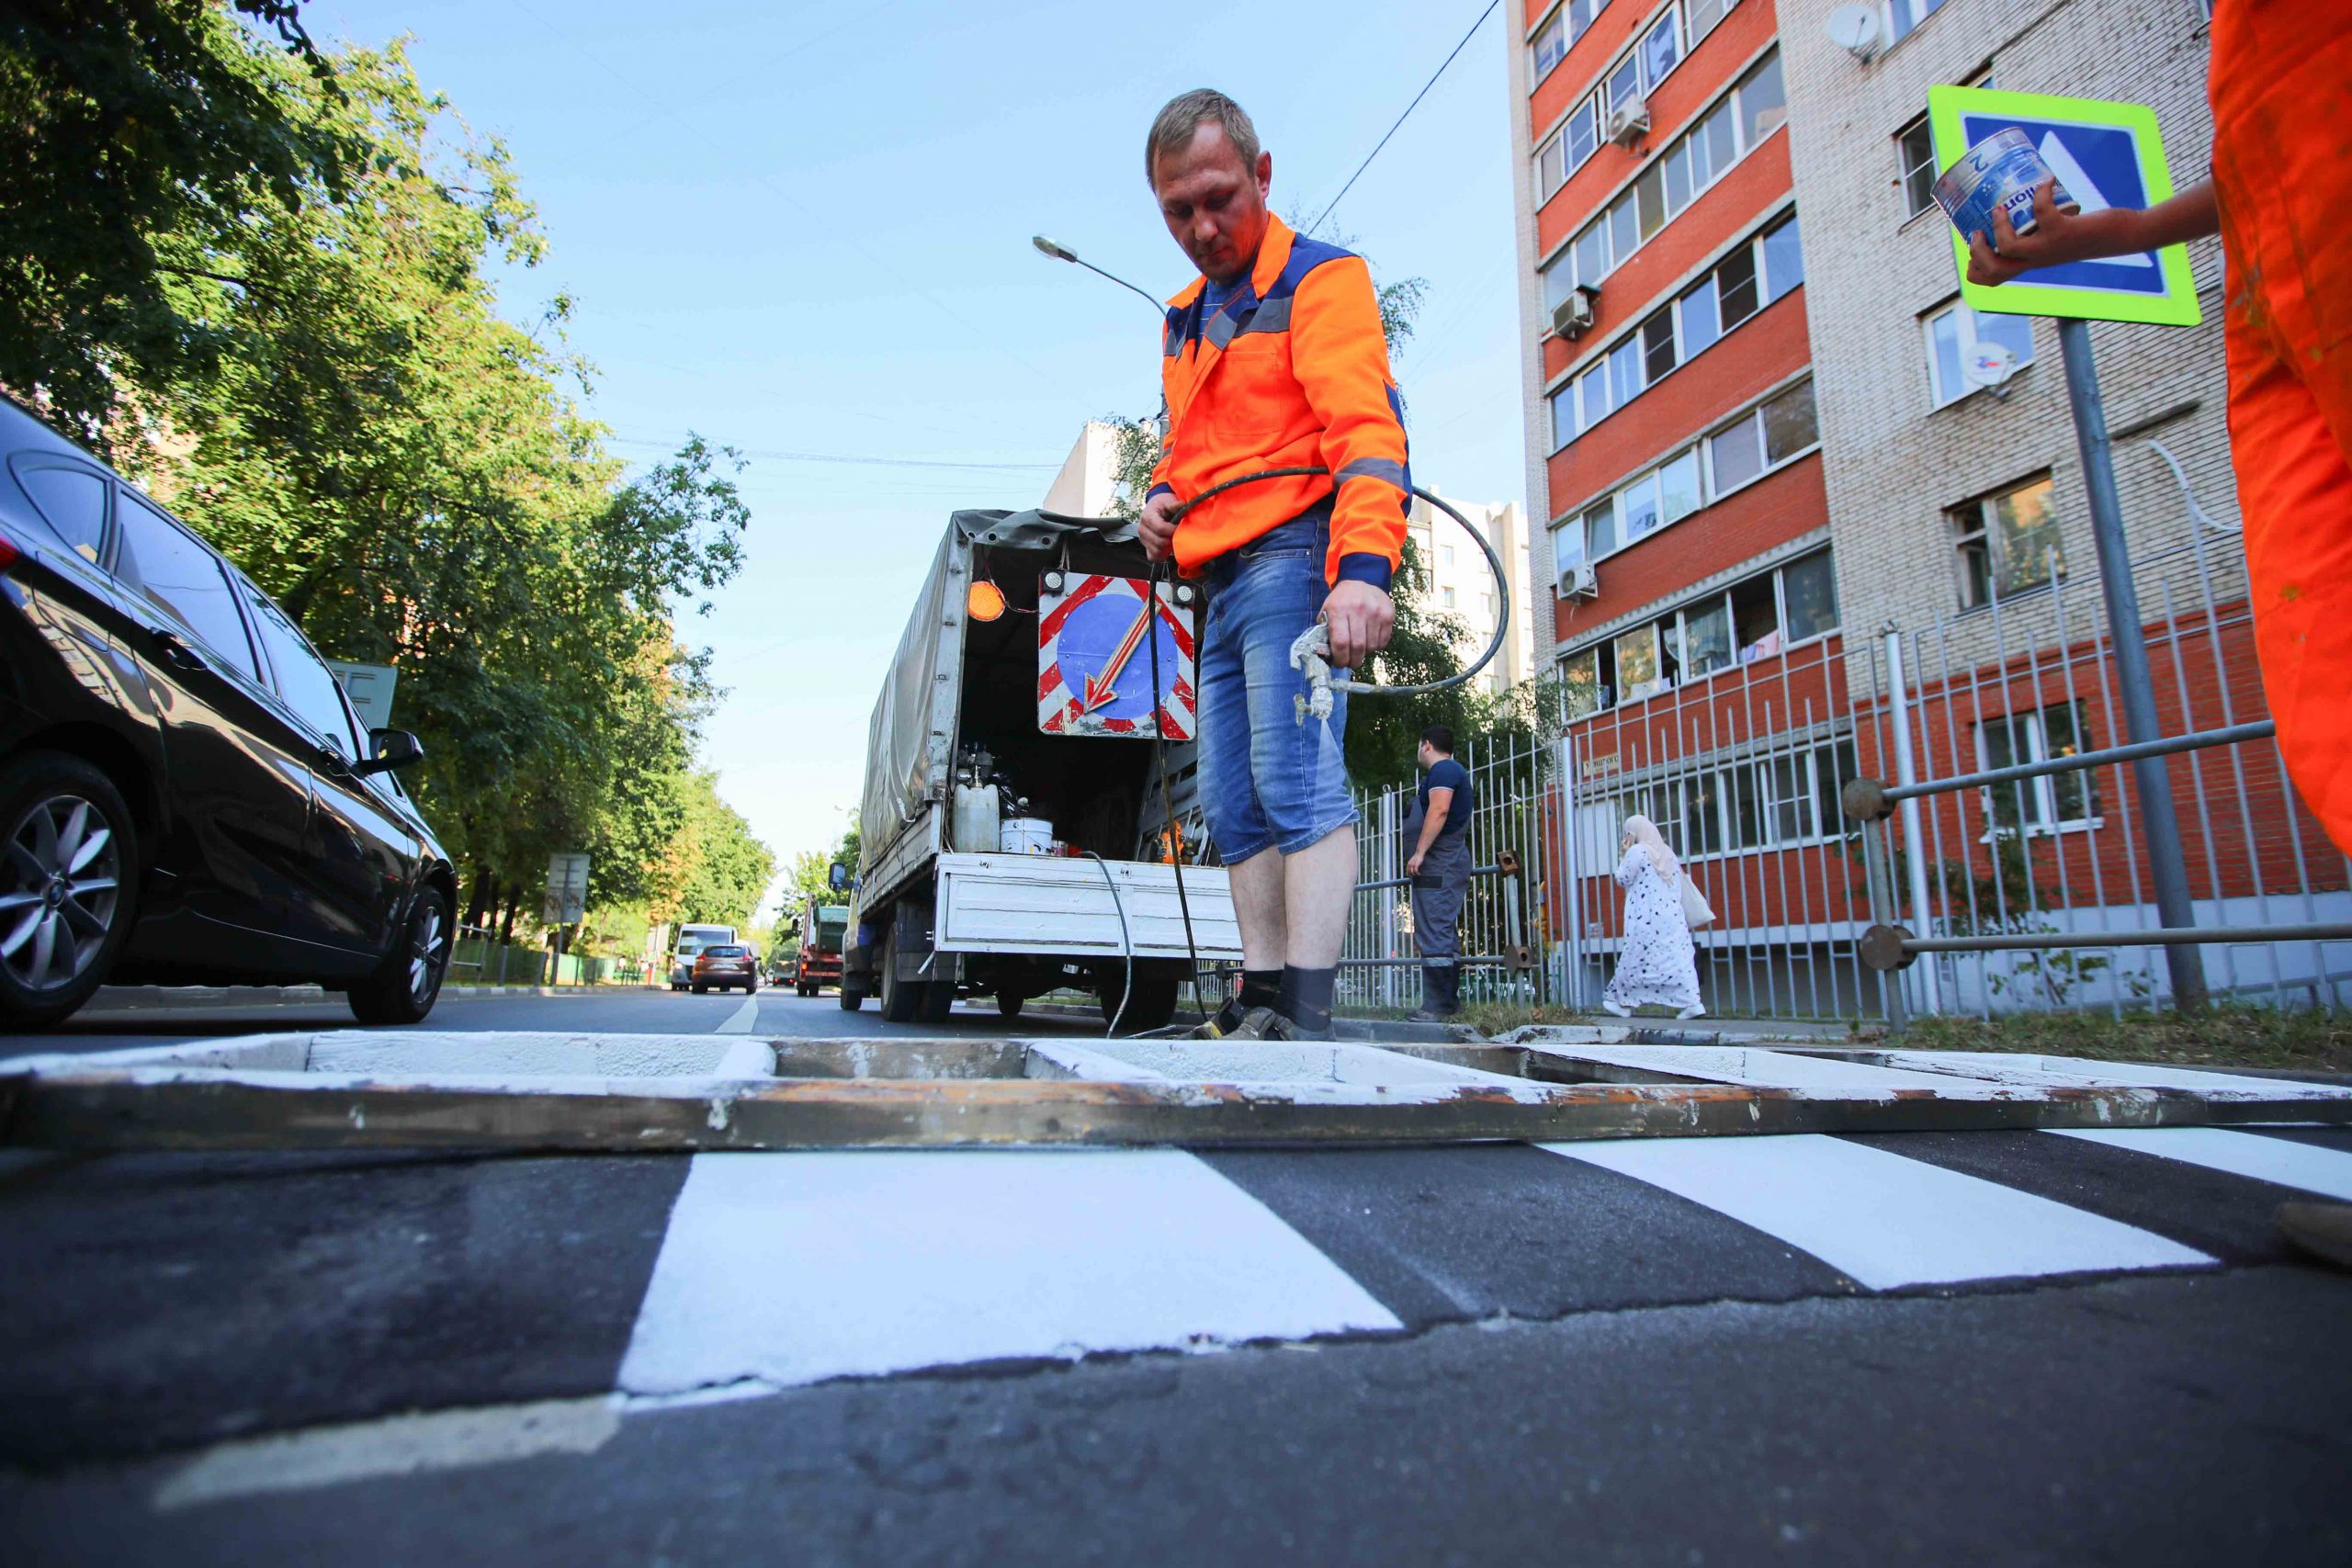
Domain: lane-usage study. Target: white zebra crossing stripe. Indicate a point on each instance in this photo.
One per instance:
(1884, 1220)
(786, 1269)
(2288, 1163)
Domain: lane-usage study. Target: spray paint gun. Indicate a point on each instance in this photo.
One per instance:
(1311, 653)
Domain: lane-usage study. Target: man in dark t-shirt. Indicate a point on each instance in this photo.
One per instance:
(1438, 830)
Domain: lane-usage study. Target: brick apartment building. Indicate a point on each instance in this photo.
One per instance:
(1756, 456)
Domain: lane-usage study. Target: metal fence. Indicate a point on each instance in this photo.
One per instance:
(1741, 763)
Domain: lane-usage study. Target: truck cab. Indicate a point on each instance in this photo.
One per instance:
(823, 928)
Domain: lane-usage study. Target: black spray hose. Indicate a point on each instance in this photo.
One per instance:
(1159, 728)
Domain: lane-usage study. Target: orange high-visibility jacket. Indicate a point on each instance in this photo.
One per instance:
(1292, 372)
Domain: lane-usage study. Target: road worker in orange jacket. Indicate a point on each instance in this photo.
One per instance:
(2280, 196)
(1273, 357)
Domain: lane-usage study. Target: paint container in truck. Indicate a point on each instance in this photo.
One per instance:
(1025, 836)
(1999, 172)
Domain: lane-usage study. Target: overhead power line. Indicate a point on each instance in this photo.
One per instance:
(1408, 114)
(777, 457)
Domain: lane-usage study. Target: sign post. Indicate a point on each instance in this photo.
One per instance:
(565, 902)
(2105, 154)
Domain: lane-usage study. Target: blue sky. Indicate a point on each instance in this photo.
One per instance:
(805, 229)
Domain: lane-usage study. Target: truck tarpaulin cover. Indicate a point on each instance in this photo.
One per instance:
(905, 745)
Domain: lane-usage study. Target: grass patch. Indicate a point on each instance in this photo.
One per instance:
(2307, 1039)
(2236, 1036)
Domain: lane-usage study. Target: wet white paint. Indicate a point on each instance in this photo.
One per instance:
(1756, 1067)
(1883, 1219)
(1248, 1061)
(742, 1020)
(522, 1054)
(2282, 1161)
(399, 1445)
(787, 1269)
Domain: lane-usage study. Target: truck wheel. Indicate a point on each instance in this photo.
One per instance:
(1154, 1003)
(902, 999)
(850, 997)
(939, 1000)
(68, 886)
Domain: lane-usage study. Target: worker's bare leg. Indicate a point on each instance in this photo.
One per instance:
(1258, 901)
(1318, 884)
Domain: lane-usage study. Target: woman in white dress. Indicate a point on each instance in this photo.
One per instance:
(1655, 962)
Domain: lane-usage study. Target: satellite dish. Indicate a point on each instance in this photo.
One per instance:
(1854, 28)
(1989, 366)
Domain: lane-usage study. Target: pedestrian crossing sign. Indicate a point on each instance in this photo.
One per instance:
(2105, 154)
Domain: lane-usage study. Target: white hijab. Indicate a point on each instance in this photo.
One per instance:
(1646, 836)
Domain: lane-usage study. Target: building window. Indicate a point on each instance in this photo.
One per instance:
(1551, 44)
(1703, 15)
(1662, 48)
(2053, 800)
(1580, 690)
(2008, 544)
(1763, 101)
(1914, 165)
(1957, 334)
(1809, 597)
(1744, 116)
(1784, 259)
(1445, 555)
(1761, 439)
(1754, 618)
(1779, 800)
(1902, 16)
(1744, 282)
(1448, 597)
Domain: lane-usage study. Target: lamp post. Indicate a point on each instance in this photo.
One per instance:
(1063, 252)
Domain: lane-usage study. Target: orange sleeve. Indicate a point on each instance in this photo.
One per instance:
(1340, 357)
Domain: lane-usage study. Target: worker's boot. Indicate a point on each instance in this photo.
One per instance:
(1222, 1023)
(1268, 1023)
(1440, 993)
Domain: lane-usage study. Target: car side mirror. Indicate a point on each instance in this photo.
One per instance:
(393, 748)
(837, 876)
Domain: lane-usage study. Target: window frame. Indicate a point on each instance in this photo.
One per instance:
(250, 670)
(1627, 196)
(1965, 317)
(25, 463)
(1578, 417)
(2034, 722)
(1905, 169)
(1995, 545)
(1672, 640)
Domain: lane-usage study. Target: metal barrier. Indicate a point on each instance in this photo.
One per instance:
(1889, 948)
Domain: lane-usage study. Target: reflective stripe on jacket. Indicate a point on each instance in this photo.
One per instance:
(1293, 372)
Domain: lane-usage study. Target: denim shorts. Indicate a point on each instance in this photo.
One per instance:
(1267, 780)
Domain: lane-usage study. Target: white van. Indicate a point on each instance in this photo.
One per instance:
(692, 940)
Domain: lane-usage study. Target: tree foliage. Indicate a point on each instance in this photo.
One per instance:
(288, 332)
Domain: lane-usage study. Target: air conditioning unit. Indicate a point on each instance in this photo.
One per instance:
(1629, 121)
(1572, 315)
(1581, 582)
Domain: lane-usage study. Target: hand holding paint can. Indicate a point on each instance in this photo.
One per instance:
(1998, 174)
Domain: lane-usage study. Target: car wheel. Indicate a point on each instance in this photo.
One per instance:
(405, 988)
(1009, 1004)
(752, 988)
(69, 885)
(1153, 1004)
(701, 990)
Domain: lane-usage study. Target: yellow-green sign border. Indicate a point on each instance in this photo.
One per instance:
(2176, 307)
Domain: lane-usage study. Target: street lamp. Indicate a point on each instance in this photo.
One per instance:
(1063, 252)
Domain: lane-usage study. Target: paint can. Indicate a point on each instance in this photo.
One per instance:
(1999, 172)
(1025, 836)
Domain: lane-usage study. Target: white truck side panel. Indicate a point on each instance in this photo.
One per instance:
(1046, 905)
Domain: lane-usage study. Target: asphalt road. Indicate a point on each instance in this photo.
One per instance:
(2013, 1346)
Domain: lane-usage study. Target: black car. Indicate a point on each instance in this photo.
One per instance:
(185, 793)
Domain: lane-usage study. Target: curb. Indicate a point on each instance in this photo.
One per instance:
(113, 999)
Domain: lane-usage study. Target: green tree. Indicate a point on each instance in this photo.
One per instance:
(137, 137)
(730, 869)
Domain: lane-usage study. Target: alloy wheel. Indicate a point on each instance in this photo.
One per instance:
(59, 887)
(426, 954)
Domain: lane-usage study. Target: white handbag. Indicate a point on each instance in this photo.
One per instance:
(1695, 912)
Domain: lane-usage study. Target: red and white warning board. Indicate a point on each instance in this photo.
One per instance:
(1096, 639)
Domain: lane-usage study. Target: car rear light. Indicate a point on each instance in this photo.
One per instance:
(8, 552)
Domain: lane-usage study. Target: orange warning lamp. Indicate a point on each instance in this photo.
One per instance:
(985, 602)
